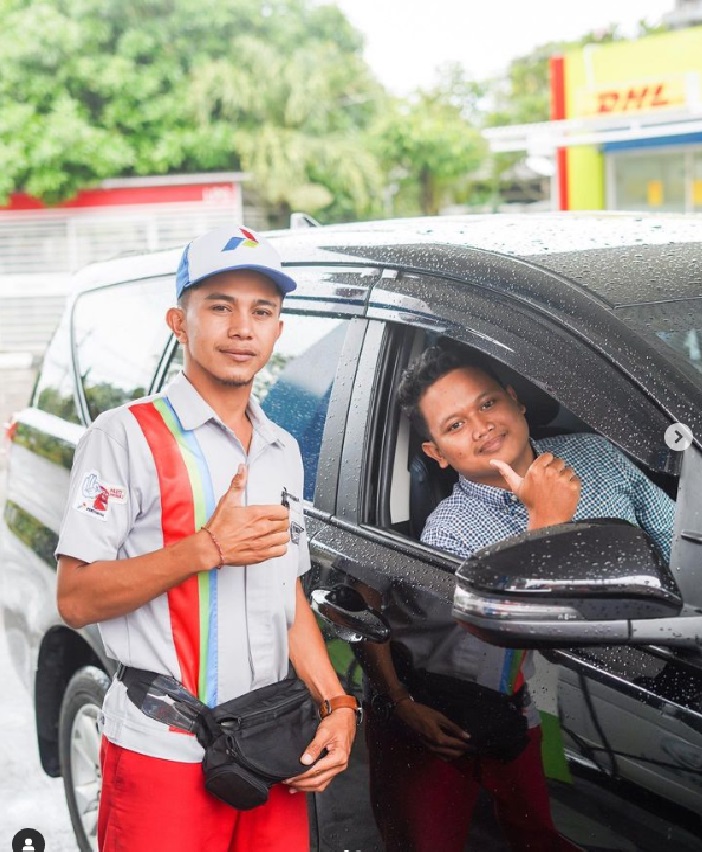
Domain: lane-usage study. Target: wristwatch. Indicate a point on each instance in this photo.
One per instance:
(329, 705)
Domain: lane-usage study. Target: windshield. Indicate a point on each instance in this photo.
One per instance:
(677, 324)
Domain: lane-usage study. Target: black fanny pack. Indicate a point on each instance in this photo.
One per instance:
(495, 721)
(251, 742)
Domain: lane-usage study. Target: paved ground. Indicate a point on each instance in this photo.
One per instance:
(29, 798)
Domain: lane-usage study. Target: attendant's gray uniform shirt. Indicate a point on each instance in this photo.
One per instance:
(237, 619)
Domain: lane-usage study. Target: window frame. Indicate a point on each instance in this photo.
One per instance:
(371, 506)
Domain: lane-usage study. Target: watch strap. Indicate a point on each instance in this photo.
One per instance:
(329, 705)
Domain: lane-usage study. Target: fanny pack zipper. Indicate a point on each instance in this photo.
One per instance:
(250, 718)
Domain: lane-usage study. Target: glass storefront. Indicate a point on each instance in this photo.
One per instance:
(663, 180)
(697, 180)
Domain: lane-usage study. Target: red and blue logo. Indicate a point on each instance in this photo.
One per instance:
(248, 240)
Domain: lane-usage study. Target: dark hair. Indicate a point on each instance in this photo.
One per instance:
(433, 364)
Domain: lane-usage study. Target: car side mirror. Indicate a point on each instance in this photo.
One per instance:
(350, 617)
(597, 582)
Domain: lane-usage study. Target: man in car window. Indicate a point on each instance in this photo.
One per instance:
(508, 483)
(163, 491)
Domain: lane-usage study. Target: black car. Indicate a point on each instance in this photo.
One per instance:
(596, 320)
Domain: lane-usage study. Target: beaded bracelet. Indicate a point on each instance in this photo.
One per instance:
(216, 544)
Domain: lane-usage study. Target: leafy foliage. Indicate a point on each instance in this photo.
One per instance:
(429, 143)
(92, 89)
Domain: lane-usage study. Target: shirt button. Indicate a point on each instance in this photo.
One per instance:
(513, 498)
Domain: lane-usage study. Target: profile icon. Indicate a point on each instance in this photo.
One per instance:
(28, 840)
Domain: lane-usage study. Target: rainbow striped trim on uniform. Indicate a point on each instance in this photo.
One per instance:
(187, 502)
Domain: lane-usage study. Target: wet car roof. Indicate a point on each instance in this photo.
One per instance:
(617, 258)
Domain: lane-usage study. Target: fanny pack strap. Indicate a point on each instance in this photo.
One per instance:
(163, 698)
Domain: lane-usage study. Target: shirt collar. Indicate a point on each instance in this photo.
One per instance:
(193, 411)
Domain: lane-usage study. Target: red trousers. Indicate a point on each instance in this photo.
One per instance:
(148, 804)
(423, 803)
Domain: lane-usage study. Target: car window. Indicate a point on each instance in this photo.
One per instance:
(120, 333)
(416, 484)
(585, 379)
(677, 324)
(295, 386)
(54, 388)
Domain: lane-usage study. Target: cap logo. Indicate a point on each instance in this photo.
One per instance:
(248, 240)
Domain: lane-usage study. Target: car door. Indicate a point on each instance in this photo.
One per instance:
(628, 737)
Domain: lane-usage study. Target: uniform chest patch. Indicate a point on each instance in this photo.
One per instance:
(95, 496)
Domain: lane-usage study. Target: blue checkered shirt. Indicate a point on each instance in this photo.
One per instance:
(474, 515)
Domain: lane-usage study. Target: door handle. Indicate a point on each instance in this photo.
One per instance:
(351, 618)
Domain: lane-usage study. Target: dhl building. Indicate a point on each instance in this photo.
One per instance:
(626, 128)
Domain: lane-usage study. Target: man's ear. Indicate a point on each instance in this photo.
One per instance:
(175, 317)
(511, 391)
(432, 451)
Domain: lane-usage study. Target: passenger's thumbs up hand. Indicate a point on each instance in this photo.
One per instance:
(246, 535)
(550, 489)
(511, 477)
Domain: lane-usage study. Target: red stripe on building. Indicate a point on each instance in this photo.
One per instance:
(177, 521)
(117, 196)
(558, 111)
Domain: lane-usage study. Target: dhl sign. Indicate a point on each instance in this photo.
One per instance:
(634, 97)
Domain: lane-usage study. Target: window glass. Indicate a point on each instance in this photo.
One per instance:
(295, 386)
(120, 333)
(54, 389)
(651, 181)
(697, 182)
(678, 324)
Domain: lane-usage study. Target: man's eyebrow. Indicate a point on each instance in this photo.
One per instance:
(219, 297)
(446, 419)
(225, 297)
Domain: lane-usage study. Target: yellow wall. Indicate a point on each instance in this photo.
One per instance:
(659, 64)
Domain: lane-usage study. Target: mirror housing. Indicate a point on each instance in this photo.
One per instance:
(597, 582)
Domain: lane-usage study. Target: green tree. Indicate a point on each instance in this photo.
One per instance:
(430, 143)
(92, 89)
(303, 133)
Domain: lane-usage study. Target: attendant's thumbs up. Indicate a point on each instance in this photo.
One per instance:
(238, 486)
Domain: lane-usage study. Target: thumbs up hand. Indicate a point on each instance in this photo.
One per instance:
(237, 489)
(550, 489)
(247, 535)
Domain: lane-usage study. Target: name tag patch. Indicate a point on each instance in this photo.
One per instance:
(96, 496)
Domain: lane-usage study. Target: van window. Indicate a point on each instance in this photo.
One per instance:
(120, 333)
(54, 388)
(295, 386)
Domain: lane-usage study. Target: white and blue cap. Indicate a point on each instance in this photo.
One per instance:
(228, 248)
